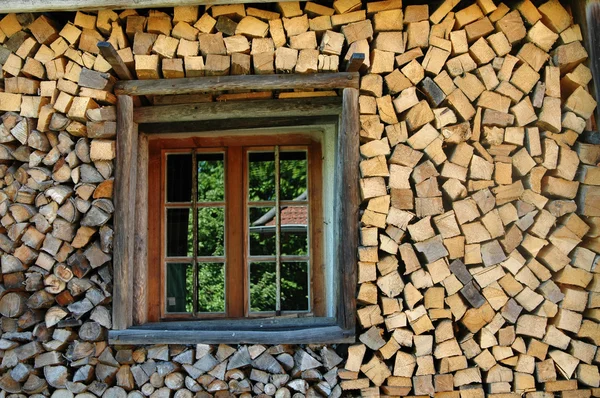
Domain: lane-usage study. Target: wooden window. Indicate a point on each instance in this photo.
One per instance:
(222, 249)
(157, 231)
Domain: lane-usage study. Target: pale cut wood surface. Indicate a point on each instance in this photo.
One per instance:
(587, 14)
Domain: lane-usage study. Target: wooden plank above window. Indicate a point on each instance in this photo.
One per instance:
(237, 124)
(89, 5)
(195, 85)
(324, 106)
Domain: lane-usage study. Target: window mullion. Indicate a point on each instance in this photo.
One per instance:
(277, 235)
(235, 259)
(195, 230)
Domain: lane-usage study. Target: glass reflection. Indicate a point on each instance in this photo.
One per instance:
(262, 231)
(263, 289)
(294, 228)
(294, 286)
(179, 177)
(211, 231)
(211, 287)
(180, 233)
(261, 176)
(293, 168)
(180, 287)
(211, 177)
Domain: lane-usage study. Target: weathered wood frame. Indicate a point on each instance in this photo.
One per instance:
(91, 5)
(130, 299)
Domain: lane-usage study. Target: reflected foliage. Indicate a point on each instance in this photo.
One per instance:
(294, 244)
(293, 171)
(211, 233)
(294, 286)
(211, 177)
(211, 287)
(263, 290)
(261, 176)
(294, 276)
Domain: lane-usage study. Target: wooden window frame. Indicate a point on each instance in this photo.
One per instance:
(131, 301)
(235, 149)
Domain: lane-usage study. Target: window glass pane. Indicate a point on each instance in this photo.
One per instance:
(294, 227)
(263, 290)
(211, 181)
(261, 176)
(292, 171)
(180, 233)
(262, 231)
(211, 287)
(180, 287)
(294, 286)
(179, 177)
(211, 231)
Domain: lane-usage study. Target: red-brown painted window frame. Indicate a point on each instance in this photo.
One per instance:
(236, 280)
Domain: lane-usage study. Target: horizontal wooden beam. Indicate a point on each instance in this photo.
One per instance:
(270, 324)
(310, 335)
(89, 5)
(320, 106)
(195, 85)
(236, 124)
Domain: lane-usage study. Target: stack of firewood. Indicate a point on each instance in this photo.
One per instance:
(476, 274)
(479, 232)
(57, 148)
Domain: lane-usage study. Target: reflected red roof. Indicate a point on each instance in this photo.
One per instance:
(292, 215)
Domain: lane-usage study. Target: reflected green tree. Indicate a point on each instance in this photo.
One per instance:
(293, 172)
(211, 287)
(263, 290)
(211, 230)
(211, 233)
(293, 185)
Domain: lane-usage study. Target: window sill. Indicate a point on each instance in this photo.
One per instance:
(246, 331)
